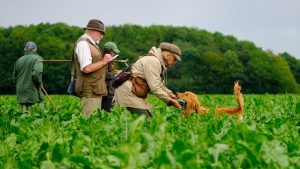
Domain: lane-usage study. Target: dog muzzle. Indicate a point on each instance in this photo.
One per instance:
(182, 103)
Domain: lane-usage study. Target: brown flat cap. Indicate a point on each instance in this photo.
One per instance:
(172, 48)
(95, 24)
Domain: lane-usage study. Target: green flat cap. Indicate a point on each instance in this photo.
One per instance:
(112, 46)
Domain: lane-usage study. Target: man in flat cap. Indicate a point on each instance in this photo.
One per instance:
(110, 48)
(27, 73)
(148, 75)
(91, 67)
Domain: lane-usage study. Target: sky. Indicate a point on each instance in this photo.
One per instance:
(270, 24)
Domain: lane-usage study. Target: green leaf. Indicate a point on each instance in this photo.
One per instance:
(47, 165)
(275, 153)
(57, 154)
(178, 146)
(216, 150)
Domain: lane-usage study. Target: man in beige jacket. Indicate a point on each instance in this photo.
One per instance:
(148, 75)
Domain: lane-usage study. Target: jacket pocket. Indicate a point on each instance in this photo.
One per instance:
(99, 88)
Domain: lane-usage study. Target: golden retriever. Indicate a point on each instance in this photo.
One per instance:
(193, 104)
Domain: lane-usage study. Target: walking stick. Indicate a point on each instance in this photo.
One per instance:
(43, 89)
(55, 60)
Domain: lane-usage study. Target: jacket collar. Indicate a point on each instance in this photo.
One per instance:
(30, 53)
(158, 53)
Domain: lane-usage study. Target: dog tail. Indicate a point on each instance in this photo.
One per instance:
(234, 110)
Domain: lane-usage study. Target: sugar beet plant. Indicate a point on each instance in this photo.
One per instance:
(62, 138)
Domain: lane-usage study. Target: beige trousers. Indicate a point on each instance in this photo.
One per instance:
(89, 105)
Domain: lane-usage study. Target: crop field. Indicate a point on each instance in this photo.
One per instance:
(60, 137)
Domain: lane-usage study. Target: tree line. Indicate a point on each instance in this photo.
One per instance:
(211, 62)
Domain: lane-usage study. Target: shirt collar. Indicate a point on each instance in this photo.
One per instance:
(90, 39)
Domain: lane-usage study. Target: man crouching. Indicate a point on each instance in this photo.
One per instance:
(148, 75)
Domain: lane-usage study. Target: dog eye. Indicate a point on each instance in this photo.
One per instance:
(186, 94)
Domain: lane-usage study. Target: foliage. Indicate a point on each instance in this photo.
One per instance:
(294, 65)
(61, 138)
(211, 61)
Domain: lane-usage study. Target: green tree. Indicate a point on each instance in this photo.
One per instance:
(285, 77)
(211, 62)
(294, 65)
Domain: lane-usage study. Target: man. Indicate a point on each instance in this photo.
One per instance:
(91, 67)
(27, 73)
(110, 48)
(148, 75)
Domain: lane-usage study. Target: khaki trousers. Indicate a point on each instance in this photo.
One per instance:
(89, 105)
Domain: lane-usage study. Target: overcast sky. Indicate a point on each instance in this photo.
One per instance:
(270, 24)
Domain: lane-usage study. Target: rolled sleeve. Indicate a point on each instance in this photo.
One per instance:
(84, 54)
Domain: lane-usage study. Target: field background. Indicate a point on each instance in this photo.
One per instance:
(61, 138)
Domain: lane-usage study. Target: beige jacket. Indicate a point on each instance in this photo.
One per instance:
(151, 68)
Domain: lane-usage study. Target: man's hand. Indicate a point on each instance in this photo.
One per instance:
(106, 58)
(95, 66)
(175, 103)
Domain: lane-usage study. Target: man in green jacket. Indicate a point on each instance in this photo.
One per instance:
(28, 76)
(110, 48)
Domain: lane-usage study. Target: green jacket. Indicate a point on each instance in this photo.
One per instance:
(28, 77)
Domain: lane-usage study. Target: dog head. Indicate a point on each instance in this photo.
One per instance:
(192, 103)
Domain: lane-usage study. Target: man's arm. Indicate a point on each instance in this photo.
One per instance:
(95, 66)
(152, 76)
(37, 72)
(85, 59)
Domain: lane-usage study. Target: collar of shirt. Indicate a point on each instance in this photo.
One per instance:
(90, 39)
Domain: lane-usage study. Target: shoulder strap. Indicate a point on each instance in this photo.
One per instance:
(129, 66)
(73, 67)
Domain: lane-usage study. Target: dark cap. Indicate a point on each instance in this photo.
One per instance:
(95, 24)
(171, 48)
(30, 46)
